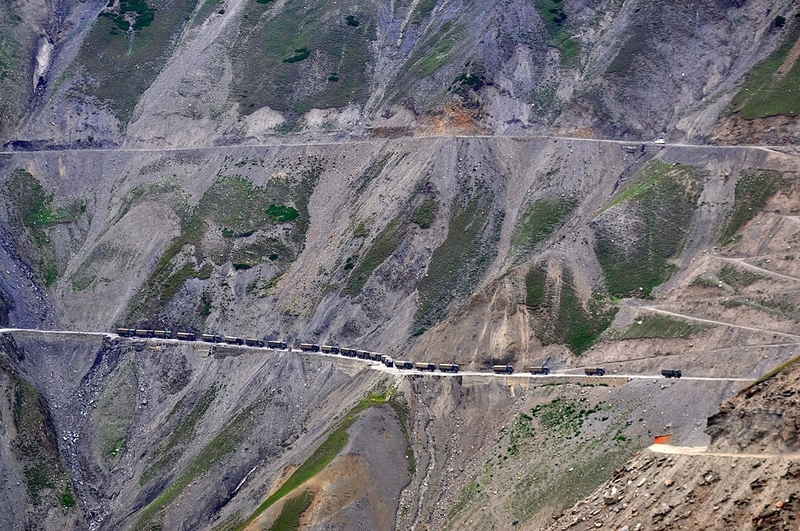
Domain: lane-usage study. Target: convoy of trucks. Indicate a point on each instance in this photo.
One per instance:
(348, 352)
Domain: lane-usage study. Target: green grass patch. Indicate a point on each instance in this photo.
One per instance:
(424, 214)
(300, 54)
(372, 172)
(235, 207)
(661, 326)
(432, 52)
(282, 213)
(571, 321)
(31, 211)
(323, 455)
(384, 245)
(536, 286)
(271, 56)
(400, 406)
(557, 25)
(116, 408)
(460, 262)
(768, 91)
(180, 437)
(539, 221)
(635, 245)
(293, 508)
(225, 442)
(738, 277)
(132, 56)
(633, 50)
(753, 192)
(564, 416)
(67, 499)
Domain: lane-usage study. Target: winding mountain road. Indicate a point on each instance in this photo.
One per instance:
(575, 372)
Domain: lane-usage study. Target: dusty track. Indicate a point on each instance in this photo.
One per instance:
(702, 451)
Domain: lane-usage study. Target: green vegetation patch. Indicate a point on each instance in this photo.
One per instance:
(180, 437)
(560, 316)
(738, 277)
(270, 59)
(31, 210)
(282, 213)
(300, 54)
(753, 192)
(425, 213)
(564, 416)
(223, 444)
(661, 326)
(15, 70)
(636, 49)
(460, 262)
(539, 221)
(556, 23)
(293, 508)
(433, 52)
(373, 171)
(323, 455)
(774, 372)
(35, 446)
(384, 245)
(644, 227)
(244, 214)
(116, 408)
(120, 61)
(772, 88)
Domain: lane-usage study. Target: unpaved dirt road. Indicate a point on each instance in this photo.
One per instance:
(702, 451)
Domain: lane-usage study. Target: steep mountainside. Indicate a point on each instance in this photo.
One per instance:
(559, 183)
(748, 477)
(177, 73)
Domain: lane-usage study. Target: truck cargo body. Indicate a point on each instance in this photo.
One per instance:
(537, 369)
(252, 342)
(594, 371)
(309, 347)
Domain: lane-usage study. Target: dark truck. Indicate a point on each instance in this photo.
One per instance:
(448, 367)
(537, 369)
(309, 347)
(671, 373)
(503, 369)
(594, 371)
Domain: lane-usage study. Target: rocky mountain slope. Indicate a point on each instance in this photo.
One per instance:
(185, 73)
(469, 182)
(748, 477)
